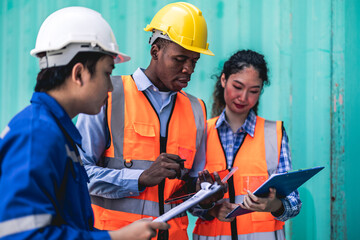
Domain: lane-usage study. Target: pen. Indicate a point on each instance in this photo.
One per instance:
(180, 160)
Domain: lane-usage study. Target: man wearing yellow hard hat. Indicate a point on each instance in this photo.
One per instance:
(151, 134)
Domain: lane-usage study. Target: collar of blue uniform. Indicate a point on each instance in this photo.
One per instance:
(56, 109)
(248, 126)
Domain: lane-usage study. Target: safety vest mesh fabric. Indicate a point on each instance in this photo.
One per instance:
(135, 143)
(257, 158)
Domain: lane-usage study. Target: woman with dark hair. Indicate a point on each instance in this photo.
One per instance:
(237, 137)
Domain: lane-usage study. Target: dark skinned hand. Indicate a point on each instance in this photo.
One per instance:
(165, 166)
(204, 176)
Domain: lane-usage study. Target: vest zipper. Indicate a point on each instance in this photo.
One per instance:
(233, 224)
(162, 234)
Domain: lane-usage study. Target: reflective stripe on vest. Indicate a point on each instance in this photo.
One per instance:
(257, 158)
(277, 235)
(117, 127)
(272, 153)
(119, 163)
(23, 224)
(132, 205)
(197, 109)
(135, 143)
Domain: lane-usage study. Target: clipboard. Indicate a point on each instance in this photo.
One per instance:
(207, 189)
(284, 183)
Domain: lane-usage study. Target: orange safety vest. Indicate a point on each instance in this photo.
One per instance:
(135, 143)
(257, 158)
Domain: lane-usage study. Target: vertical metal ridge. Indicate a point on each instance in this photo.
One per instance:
(337, 122)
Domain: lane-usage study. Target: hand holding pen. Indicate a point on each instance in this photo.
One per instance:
(165, 166)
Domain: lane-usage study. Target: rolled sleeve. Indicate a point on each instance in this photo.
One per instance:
(202, 213)
(292, 206)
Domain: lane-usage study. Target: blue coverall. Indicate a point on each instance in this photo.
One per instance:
(43, 185)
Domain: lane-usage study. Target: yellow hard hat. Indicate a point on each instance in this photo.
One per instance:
(184, 24)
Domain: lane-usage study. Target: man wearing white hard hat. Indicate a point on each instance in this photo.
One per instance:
(43, 184)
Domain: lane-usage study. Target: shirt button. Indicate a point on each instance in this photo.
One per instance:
(230, 146)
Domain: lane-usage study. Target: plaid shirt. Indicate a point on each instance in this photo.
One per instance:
(231, 142)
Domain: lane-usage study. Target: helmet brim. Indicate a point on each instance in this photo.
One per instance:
(121, 58)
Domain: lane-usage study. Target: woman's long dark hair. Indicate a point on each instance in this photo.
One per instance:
(236, 63)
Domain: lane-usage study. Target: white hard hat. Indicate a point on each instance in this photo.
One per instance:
(71, 30)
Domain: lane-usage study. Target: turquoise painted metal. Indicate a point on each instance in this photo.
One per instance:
(338, 198)
(351, 85)
(312, 50)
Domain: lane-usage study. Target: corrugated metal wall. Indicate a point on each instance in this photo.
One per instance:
(311, 47)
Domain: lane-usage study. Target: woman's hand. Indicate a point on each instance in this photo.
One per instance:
(222, 210)
(263, 204)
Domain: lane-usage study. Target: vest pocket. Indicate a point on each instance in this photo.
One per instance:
(188, 154)
(144, 130)
(251, 182)
(263, 222)
(139, 141)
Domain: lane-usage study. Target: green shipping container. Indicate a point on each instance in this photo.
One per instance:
(311, 47)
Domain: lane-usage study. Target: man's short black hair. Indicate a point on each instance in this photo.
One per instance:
(51, 78)
(162, 43)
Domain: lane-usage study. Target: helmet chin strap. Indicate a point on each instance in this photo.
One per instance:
(158, 34)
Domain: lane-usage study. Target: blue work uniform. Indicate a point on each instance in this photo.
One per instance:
(43, 185)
